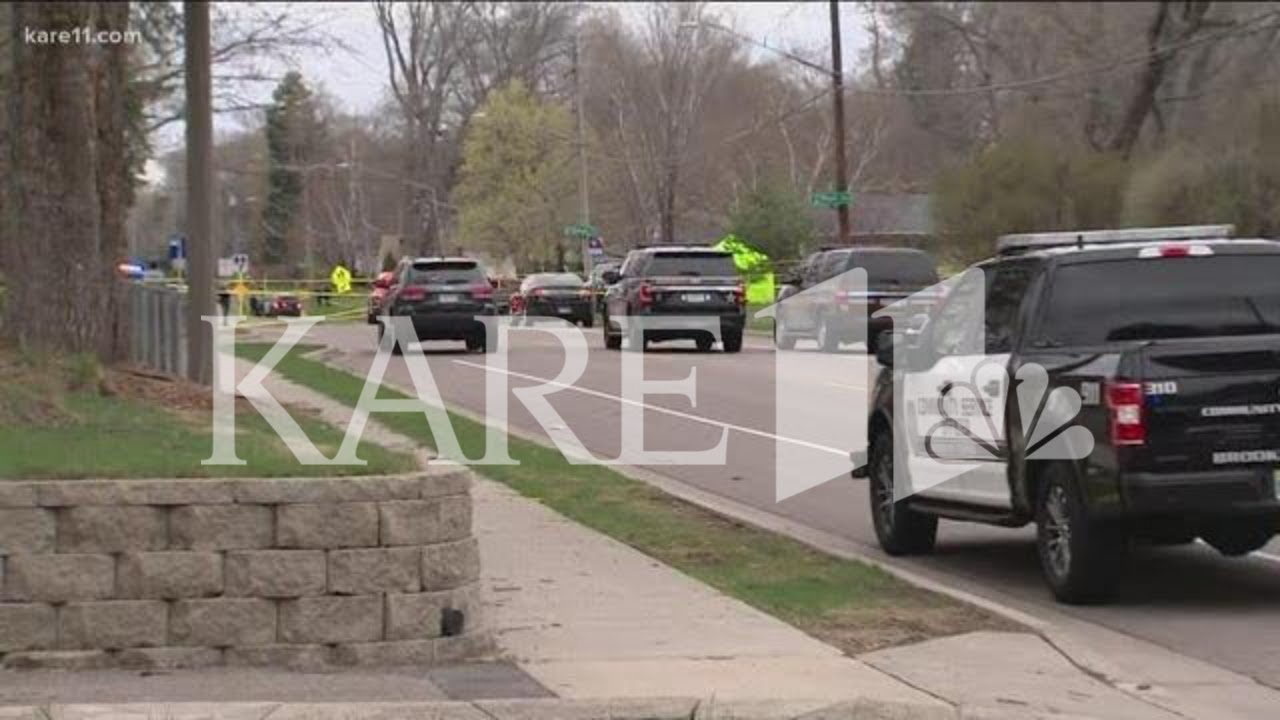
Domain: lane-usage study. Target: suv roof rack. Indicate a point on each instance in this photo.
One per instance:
(1008, 244)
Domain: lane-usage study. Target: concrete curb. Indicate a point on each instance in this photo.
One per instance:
(542, 709)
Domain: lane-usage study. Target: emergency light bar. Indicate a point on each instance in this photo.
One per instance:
(1037, 241)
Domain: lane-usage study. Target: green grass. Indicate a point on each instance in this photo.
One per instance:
(48, 431)
(850, 604)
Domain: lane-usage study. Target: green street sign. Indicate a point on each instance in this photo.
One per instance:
(580, 230)
(832, 199)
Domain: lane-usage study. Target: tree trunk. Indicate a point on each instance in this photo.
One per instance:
(1144, 98)
(114, 191)
(61, 259)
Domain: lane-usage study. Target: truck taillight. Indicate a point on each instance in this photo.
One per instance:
(740, 295)
(413, 292)
(645, 295)
(1128, 413)
(482, 291)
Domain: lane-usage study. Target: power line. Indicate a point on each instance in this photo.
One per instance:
(1244, 28)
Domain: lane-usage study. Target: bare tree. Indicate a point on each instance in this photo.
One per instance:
(660, 83)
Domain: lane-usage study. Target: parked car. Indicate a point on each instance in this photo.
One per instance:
(503, 290)
(378, 293)
(283, 306)
(1170, 340)
(597, 284)
(824, 308)
(675, 281)
(562, 295)
(445, 297)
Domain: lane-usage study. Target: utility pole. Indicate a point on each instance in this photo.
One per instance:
(837, 95)
(584, 196)
(200, 184)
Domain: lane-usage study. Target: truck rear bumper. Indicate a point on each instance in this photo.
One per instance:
(1244, 491)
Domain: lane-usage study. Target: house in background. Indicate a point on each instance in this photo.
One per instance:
(882, 219)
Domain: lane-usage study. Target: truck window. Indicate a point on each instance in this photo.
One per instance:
(1153, 299)
(1006, 285)
(692, 264)
(957, 328)
(910, 268)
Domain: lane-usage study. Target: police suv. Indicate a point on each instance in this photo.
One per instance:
(1131, 382)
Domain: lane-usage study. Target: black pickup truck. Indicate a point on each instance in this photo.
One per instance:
(822, 304)
(1170, 338)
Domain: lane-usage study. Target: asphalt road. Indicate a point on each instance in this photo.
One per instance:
(1188, 599)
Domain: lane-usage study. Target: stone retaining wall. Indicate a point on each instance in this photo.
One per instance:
(283, 572)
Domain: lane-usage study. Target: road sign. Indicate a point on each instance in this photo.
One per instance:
(581, 230)
(832, 199)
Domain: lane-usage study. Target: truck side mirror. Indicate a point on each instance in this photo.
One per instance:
(610, 277)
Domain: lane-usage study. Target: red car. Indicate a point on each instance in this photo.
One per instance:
(378, 294)
(284, 306)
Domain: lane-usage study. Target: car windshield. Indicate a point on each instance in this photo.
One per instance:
(1154, 299)
(446, 273)
(904, 267)
(565, 280)
(692, 264)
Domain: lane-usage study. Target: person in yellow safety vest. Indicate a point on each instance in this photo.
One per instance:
(754, 267)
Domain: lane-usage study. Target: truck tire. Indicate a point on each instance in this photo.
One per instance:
(732, 340)
(611, 341)
(899, 529)
(1240, 536)
(1079, 555)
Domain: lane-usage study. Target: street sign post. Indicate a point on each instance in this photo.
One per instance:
(832, 199)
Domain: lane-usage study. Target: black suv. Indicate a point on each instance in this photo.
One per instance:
(445, 298)
(1170, 338)
(676, 282)
(822, 308)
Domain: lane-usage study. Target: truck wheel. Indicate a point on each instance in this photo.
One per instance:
(611, 341)
(732, 341)
(705, 343)
(1080, 556)
(1240, 537)
(827, 341)
(900, 530)
(588, 321)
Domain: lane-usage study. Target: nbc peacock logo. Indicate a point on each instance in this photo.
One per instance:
(971, 417)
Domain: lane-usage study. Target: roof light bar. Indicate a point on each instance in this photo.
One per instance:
(1029, 241)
